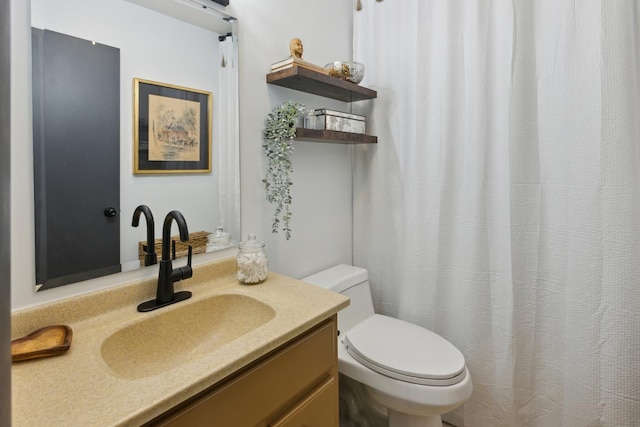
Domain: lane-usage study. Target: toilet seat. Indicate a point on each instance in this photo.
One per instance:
(405, 351)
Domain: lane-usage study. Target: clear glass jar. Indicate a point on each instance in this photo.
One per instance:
(218, 240)
(252, 261)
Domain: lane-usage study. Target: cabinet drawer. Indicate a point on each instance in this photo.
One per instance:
(317, 409)
(267, 388)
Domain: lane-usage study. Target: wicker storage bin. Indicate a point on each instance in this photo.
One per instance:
(198, 240)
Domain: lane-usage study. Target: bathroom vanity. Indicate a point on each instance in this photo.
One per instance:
(232, 355)
(295, 385)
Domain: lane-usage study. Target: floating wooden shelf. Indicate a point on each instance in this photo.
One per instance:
(303, 134)
(310, 81)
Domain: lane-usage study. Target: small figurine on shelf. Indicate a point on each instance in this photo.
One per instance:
(296, 48)
(295, 58)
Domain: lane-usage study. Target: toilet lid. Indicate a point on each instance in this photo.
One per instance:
(405, 351)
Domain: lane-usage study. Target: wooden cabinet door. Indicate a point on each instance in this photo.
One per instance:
(318, 409)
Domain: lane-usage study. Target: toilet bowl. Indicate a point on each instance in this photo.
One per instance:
(410, 373)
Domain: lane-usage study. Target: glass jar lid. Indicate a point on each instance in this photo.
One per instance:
(251, 243)
(219, 236)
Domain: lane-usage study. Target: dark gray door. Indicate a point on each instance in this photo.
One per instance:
(76, 102)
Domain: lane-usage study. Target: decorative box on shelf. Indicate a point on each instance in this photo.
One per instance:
(325, 119)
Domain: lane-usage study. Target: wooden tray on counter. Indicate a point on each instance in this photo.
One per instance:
(45, 342)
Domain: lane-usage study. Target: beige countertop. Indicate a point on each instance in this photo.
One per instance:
(79, 388)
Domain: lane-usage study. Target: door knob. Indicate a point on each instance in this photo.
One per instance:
(110, 211)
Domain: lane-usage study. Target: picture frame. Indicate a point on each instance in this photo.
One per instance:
(171, 129)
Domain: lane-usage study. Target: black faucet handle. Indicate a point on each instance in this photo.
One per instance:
(186, 271)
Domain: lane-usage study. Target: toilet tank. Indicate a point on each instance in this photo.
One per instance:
(352, 282)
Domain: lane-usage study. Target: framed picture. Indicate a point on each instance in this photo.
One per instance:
(171, 129)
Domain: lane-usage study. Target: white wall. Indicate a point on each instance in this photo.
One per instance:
(322, 198)
(321, 192)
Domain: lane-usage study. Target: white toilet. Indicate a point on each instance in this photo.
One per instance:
(409, 372)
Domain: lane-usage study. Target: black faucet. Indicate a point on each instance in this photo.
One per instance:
(150, 258)
(166, 274)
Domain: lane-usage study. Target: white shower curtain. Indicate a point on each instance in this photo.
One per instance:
(501, 206)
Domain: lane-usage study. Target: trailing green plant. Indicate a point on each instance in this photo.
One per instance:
(278, 135)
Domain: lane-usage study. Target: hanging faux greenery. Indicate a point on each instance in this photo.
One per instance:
(278, 135)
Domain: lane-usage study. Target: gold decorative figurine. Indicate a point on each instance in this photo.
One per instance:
(296, 48)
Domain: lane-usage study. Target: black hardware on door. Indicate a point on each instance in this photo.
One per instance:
(110, 212)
